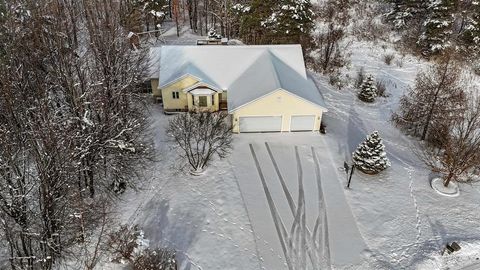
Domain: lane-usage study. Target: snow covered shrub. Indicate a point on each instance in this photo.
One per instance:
(381, 89)
(155, 259)
(336, 80)
(368, 91)
(200, 136)
(388, 58)
(399, 62)
(125, 243)
(370, 156)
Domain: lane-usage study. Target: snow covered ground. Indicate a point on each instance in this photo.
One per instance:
(404, 222)
(202, 217)
(251, 211)
(238, 214)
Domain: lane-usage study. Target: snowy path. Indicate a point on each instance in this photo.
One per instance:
(298, 210)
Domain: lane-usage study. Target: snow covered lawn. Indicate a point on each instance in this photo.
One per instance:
(202, 217)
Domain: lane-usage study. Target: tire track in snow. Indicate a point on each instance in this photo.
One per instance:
(300, 242)
(297, 241)
(323, 236)
(279, 225)
(313, 254)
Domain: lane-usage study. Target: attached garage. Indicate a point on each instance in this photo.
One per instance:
(302, 123)
(279, 111)
(260, 123)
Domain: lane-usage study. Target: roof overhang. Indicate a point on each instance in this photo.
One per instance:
(277, 90)
(179, 79)
(202, 85)
(202, 92)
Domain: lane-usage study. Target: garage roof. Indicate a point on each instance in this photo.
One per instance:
(246, 72)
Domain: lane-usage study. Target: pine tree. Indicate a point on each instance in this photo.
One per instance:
(438, 27)
(251, 17)
(273, 21)
(405, 11)
(368, 91)
(471, 35)
(290, 20)
(370, 156)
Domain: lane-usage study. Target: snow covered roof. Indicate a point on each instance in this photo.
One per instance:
(202, 91)
(154, 64)
(246, 72)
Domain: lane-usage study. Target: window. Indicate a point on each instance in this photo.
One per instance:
(193, 100)
(223, 96)
(213, 100)
(147, 87)
(175, 95)
(202, 101)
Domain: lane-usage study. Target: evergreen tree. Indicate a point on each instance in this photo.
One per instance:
(368, 91)
(471, 35)
(438, 27)
(290, 20)
(251, 17)
(405, 11)
(370, 156)
(273, 21)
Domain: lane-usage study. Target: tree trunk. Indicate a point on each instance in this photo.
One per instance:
(448, 179)
(430, 113)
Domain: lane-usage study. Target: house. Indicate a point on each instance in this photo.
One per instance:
(264, 88)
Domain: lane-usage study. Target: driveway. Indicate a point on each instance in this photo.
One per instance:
(294, 196)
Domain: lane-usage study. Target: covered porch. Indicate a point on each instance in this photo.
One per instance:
(204, 97)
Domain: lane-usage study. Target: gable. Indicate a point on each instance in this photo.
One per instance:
(279, 102)
(180, 84)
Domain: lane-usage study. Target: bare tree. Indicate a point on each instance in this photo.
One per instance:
(201, 136)
(333, 20)
(176, 14)
(71, 123)
(434, 102)
(461, 146)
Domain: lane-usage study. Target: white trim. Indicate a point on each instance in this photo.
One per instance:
(274, 91)
(199, 84)
(177, 80)
(262, 115)
(314, 121)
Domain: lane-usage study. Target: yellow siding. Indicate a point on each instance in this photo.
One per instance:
(279, 103)
(155, 91)
(190, 102)
(169, 103)
(216, 106)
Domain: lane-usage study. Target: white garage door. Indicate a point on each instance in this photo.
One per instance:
(260, 124)
(302, 123)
